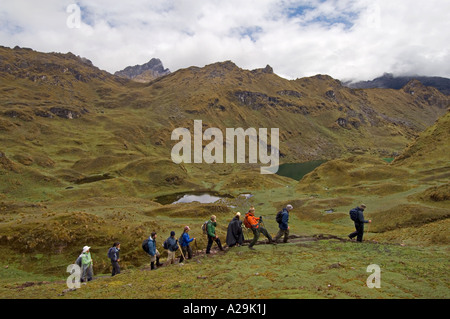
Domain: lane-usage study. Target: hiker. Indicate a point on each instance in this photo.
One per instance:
(184, 242)
(211, 232)
(171, 244)
(113, 255)
(283, 220)
(153, 252)
(234, 232)
(86, 265)
(255, 224)
(356, 214)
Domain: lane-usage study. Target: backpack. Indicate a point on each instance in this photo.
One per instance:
(110, 253)
(205, 227)
(145, 246)
(354, 214)
(166, 244)
(247, 222)
(279, 217)
(180, 240)
(78, 261)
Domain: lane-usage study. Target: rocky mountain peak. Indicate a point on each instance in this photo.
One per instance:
(145, 72)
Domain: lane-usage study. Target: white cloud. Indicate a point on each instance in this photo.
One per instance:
(346, 39)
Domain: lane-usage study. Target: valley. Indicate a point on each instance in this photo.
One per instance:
(85, 159)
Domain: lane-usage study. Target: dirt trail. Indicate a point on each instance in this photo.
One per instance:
(292, 239)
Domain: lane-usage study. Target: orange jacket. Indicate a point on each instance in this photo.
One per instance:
(254, 221)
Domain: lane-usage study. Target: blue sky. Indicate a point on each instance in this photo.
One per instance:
(347, 39)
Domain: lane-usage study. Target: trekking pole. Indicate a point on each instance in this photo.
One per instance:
(261, 221)
(179, 247)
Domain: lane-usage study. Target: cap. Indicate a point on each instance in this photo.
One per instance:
(86, 248)
(186, 228)
(238, 214)
(289, 207)
(172, 233)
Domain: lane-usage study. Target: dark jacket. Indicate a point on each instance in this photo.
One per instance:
(234, 232)
(172, 243)
(114, 254)
(284, 219)
(360, 216)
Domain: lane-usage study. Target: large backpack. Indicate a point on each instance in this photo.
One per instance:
(279, 217)
(354, 214)
(205, 227)
(247, 223)
(110, 253)
(145, 246)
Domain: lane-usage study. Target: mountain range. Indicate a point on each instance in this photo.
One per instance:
(389, 81)
(154, 68)
(64, 119)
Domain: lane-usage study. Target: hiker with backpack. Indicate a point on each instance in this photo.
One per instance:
(256, 225)
(171, 244)
(211, 232)
(357, 216)
(149, 246)
(282, 219)
(87, 264)
(113, 255)
(184, 242)
(234, 232)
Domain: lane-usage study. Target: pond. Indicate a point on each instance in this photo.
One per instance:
(298, 170)
(204, 197)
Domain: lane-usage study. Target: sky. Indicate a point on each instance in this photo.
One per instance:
(346, 39)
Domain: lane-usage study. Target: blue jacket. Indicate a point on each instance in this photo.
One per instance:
(284, 219)
(151, 246)
(186, 240)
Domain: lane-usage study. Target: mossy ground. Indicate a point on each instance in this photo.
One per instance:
(412, 251)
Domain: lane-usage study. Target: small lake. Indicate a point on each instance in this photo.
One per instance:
(298, 170)
(205, 197)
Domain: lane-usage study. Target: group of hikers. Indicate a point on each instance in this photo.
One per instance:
(235, 237)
